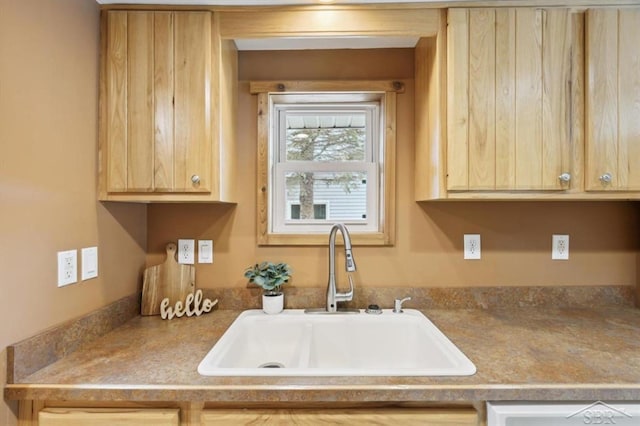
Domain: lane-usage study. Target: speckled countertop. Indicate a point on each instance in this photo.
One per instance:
(520, 354)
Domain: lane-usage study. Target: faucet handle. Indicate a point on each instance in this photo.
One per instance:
(397, 304)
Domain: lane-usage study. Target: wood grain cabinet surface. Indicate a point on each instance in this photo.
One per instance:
(167, 107)
(509, 99)
(108, 417)
(351, 417)
(529, 103)
(195, 413)
(613, 100)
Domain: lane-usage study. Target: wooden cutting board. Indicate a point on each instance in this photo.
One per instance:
(169, 279)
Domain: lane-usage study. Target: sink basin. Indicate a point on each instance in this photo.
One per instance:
(293, 343)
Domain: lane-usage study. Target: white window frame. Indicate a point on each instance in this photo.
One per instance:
(281, 105)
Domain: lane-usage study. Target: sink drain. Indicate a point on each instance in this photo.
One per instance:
(271, 365)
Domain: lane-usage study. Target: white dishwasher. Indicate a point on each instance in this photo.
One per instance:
(563, 414)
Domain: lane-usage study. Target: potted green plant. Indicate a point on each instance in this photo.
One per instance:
(271, 277)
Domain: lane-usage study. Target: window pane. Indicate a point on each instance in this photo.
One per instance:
(327, 195)
(319, 211)
(324, 137)
(295, 211)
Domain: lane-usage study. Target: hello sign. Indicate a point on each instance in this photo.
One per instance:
(194, 304)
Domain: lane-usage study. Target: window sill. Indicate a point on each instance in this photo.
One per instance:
(369, 239)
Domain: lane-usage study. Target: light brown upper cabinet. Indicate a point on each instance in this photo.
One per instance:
(507, 124)
(168, 89)
(509, 99)
(612, 154)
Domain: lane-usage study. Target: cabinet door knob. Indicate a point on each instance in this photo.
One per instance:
(606, 178)
(195, 179)
(565, 177)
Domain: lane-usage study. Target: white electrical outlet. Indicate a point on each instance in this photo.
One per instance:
(472, 246)
(205, 251)
(186, 251)
(89, 263)
(560, 247)
(67, 267)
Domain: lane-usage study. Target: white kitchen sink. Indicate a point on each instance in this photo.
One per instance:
(293, 343)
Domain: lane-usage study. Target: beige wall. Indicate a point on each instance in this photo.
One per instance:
(516, 236)
(48, 140)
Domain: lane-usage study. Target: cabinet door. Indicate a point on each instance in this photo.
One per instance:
(351, 417)
(108, 417)
(193, 83)
(612, 153)
(509, 99)
(158, 94)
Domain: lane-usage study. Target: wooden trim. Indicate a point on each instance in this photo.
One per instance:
(372, 239)
(317, 22)
(262, 190)
(102, 110)
(28, 412)
(389, 164)
(256, 87)
(384, 238)
(191, 413)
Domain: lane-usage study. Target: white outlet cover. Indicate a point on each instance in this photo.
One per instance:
(89, 263)
(472, 246)
(559, 247)
(186, 252)
(205, 251)
(67, 267)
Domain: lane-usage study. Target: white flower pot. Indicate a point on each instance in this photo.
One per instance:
(273, 303)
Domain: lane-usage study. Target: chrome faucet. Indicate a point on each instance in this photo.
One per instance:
(333, 297)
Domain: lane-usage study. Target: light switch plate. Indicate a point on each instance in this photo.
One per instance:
(186, 252)
(205, 251)
(472, 246)
(89, 263)
(67, 267)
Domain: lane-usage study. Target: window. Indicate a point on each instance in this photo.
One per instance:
(325, 157)
(325, 150)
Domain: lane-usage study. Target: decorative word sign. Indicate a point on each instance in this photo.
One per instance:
(199, 306)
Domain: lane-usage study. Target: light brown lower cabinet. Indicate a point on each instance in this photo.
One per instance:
(109, 417)
(185, 415)
(351, 417)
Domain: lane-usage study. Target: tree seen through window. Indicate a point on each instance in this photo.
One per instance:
(342, 139)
